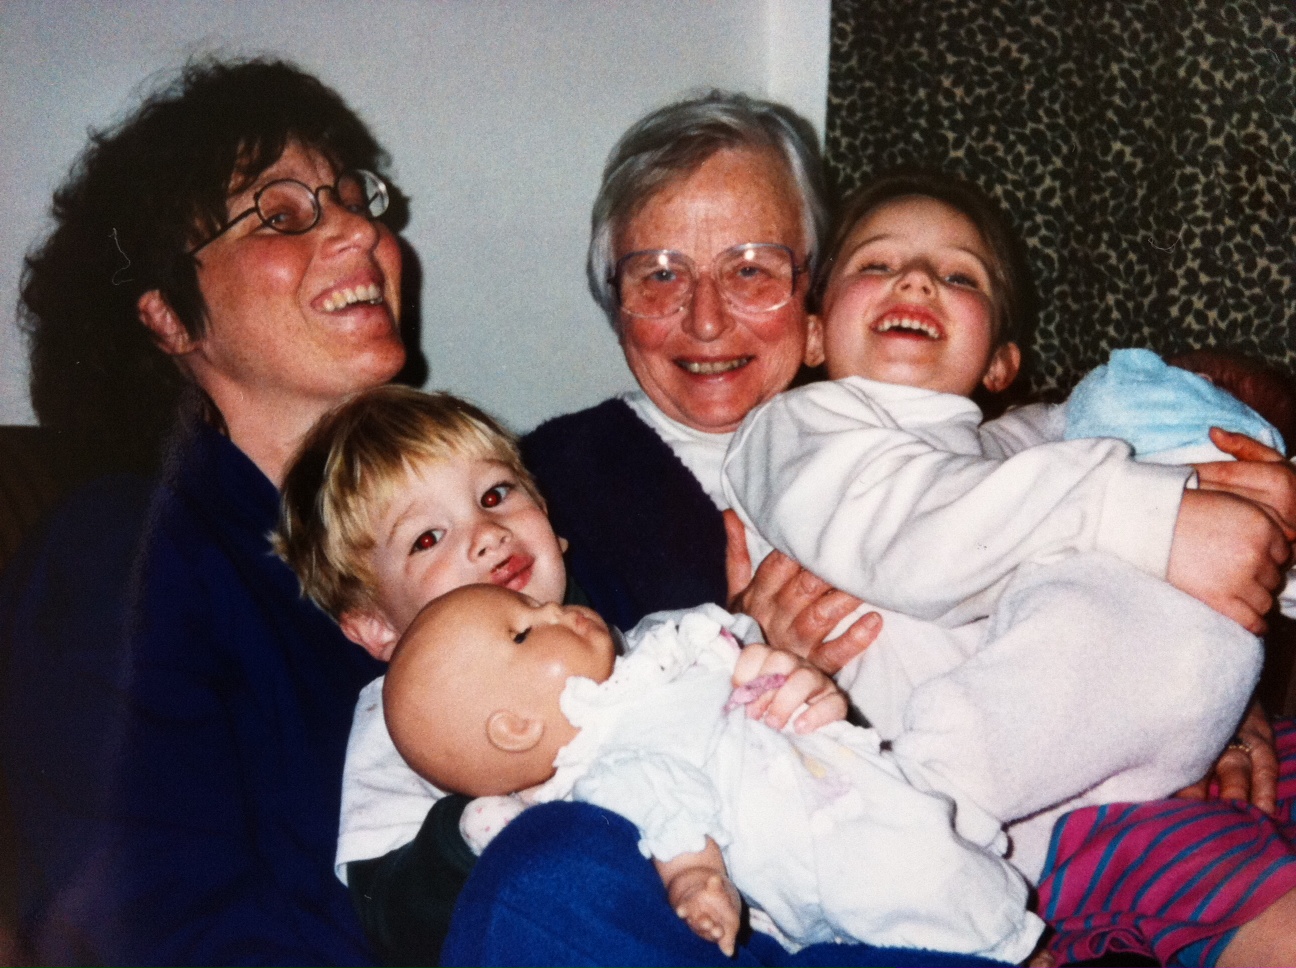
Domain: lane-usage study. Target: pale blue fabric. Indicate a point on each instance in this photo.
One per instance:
(1138, 398)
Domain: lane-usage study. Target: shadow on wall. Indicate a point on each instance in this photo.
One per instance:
(415, 371)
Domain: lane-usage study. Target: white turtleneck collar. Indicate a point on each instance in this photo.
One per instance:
(702, 453)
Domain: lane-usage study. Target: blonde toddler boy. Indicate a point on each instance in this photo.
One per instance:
(395, 499)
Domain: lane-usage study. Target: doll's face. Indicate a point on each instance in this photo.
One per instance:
(471, 698)
(523, 645)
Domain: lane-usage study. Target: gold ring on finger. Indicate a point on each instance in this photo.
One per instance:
(1238, 743)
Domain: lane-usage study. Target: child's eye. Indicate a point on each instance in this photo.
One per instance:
(874, 266)
(962, 279)
(495, 496)
(521, 636)
(428, 539)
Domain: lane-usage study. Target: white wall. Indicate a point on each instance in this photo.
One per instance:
(498, 116)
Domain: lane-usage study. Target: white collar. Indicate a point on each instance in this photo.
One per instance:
(701, 452)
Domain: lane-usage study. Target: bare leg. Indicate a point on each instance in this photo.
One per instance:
(1269, 939)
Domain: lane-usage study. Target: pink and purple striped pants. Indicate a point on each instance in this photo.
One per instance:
(1170, 879)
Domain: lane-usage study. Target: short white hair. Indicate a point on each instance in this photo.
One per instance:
(676, 140)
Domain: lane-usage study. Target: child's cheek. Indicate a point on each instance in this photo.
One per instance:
(851, 303)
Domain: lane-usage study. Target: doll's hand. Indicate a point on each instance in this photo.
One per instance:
(802, 684)
(708, 901)
(1247, 770)
(794, 608)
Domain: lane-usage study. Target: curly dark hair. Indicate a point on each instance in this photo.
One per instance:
(141, 194)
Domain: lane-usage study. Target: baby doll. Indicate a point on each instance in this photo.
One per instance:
(491, 692)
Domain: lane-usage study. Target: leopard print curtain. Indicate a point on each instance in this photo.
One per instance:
(1143, 148)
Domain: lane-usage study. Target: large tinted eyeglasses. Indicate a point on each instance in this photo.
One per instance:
(288, 206)
(754, 277)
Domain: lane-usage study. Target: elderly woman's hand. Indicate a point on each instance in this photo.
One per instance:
(1247, 769)
(795, 609)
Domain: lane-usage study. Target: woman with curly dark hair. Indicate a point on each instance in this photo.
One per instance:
(217, 277)
(129, 220)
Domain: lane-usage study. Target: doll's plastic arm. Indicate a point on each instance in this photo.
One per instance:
(701, 893)
(779, 686)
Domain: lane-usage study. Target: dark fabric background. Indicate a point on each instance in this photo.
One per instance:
(1145, 149)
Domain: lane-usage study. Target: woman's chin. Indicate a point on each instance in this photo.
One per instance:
(718, 419)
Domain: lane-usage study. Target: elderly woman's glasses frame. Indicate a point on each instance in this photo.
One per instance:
(293, 208)
(754, 277)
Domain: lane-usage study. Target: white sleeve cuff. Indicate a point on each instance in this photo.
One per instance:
(1139, 512)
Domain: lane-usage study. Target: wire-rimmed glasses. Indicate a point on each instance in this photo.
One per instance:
(754, 277)
(291, 207)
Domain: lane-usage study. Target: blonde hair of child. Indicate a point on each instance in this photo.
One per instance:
(349, 469)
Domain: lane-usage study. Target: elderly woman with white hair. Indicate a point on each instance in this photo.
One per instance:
(704, 236)
(705, 232)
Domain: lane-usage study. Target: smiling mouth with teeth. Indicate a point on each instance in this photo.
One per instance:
(908, 324)
(713, 367)
(370, 295)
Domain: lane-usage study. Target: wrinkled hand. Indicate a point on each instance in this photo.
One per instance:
(1228, 553)
(1259, 474)
(794, 608)
(1243, 775)
(804, 684)
(709, 903)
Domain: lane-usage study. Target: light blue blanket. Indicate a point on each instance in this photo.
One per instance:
(1160, 410)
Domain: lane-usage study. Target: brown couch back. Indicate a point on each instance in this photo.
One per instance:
(33, 477)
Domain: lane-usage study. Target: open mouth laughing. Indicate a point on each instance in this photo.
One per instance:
(368, 294)
(713, 367)
(908, 325)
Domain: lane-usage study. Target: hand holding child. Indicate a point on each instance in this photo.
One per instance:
(1246, 770)
(802, 684)
(701, 893)
(794, 607)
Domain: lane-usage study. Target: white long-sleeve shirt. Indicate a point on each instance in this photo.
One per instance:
(900, 497)
(1022, 664)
